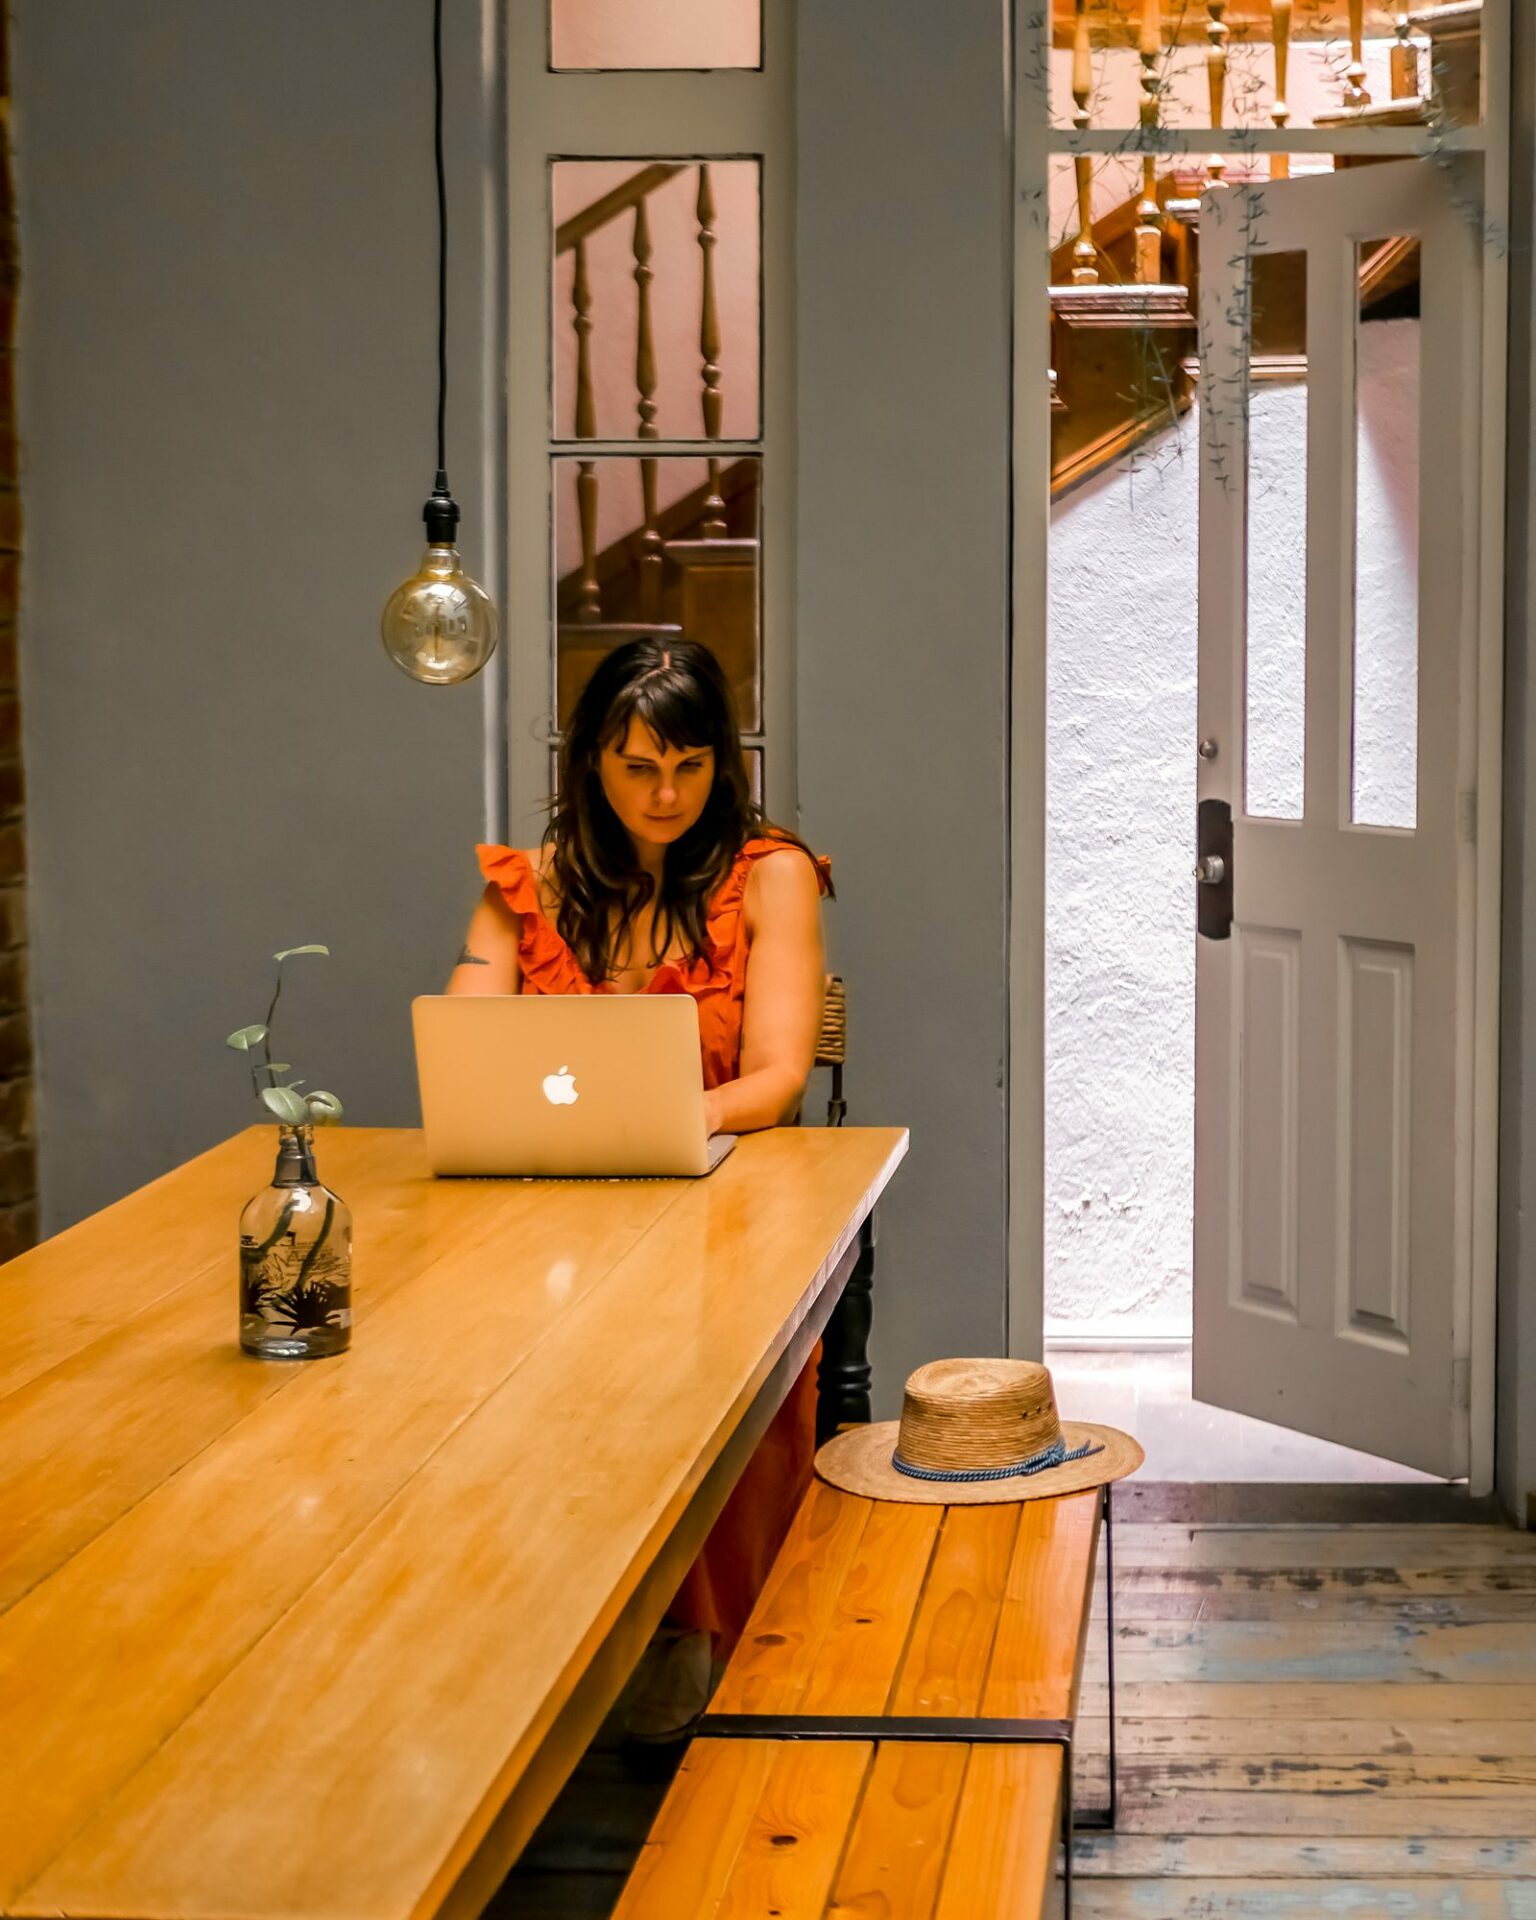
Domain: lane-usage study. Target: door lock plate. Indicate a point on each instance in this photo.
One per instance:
(1213, 870)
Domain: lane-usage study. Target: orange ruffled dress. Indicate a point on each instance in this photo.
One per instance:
(723, 1582)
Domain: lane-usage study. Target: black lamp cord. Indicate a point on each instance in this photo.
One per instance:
(442, 246)
(440, 513)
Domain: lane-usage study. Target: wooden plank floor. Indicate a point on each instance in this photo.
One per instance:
(1321, 1717)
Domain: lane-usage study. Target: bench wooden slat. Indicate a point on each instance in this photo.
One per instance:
(1002, 1855)
(1042, 1629)
(894, 1865)
(796, 1835)
(872, 1622)
(945, 1667)
(688, 1856)
(778, 1650)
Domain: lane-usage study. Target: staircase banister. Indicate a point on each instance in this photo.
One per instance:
(617, 200)
(1117, 23)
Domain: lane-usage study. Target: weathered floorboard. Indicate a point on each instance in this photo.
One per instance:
(1208, 1856)
(1274, 1900)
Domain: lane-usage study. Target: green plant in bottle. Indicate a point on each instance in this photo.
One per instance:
(295, 1235)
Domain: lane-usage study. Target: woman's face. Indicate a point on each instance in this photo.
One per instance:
(658, 792)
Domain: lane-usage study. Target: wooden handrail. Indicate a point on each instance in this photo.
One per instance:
(617, 200)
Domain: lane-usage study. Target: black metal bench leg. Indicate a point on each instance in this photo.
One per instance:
(1109, 1616)
(1097, 1819)
(1067, 1830)
(843, 1378)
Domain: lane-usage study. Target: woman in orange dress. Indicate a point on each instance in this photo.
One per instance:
(659, 874)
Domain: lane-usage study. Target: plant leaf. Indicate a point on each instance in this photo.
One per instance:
(286, 1104)
(324, 1108)
(244, 1038)
(282, 1066)
(288, 952)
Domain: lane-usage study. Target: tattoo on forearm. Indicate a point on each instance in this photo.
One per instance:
(468, 959)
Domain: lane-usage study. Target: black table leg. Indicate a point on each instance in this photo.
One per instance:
(843, 1378)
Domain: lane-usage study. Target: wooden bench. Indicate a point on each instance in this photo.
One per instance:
(896, 1723)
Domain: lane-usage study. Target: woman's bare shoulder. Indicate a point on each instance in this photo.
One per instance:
(783, 881)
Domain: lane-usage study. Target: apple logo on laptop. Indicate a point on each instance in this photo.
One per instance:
(560, 1088)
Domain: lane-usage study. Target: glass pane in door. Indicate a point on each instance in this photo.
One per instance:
(658, 546)
(615, 35)
(657, 284)
(1276, 662)
(1384, 774)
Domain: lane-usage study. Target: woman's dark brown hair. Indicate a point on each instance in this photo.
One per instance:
(677, 690)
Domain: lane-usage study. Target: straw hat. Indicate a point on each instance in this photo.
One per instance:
(974, 1432)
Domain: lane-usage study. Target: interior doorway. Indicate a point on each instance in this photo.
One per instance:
(1131, 406)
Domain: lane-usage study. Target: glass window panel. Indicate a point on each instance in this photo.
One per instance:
(648, 34)
(653, 258)
(663, 545)
(1275, 675)
(1384, 783)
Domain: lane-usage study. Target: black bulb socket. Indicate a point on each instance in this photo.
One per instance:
(441, 514)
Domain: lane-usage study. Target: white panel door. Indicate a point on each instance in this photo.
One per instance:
(1338, 618)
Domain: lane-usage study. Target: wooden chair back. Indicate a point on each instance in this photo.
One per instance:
(832, 1045)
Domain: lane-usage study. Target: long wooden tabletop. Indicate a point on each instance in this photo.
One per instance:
(323, 1639)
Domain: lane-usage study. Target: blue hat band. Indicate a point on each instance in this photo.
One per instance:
(1053, 1456)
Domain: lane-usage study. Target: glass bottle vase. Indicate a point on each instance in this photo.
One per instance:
(295, 1260)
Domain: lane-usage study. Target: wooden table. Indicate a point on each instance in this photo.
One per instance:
(324, 1639)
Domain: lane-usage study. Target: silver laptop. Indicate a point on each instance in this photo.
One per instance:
(538, 1084)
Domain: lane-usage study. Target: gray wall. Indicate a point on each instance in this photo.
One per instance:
(226, 364)
(903, 540)
(226, 359)
(1516, 1440)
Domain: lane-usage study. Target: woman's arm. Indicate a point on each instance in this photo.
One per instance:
(781, 1013)
(488, 963)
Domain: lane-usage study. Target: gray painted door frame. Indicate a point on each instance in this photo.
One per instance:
(1035, 140)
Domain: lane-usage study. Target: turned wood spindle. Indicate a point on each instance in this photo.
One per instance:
(645, 408)
(1149, 216)
(1216, 31)
(709, 346)
(1406, 83)
(1085, 270)
(1355, 94)
(589, 599)
(1280, 113)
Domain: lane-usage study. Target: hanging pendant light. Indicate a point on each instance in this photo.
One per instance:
(440, 625)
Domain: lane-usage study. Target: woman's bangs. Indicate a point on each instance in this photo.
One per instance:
(669, 708)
